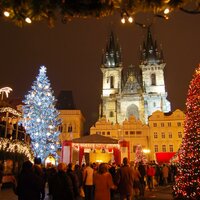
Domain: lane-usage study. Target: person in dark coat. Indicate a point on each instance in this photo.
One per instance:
(29, 184)
(62, 187)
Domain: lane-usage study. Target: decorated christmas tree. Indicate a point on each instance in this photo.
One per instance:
(187, 183)
(139, 155)
(40, 117)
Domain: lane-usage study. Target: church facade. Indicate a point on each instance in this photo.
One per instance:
(137, 91)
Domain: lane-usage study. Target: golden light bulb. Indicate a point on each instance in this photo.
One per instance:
(123, 20)
(6, 14)
(28, 20)
(130, 19)
(166, 11)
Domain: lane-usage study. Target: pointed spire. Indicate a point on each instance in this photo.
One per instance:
(112, 55)
(150, 53)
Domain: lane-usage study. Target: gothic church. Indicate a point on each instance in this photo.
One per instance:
(137, 91)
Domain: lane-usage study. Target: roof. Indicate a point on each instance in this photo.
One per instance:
(95, 139)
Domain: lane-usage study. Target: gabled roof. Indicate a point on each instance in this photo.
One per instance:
(95, 139)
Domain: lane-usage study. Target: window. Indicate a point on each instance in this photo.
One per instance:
(138, 132)
(169, 124)
(178, 123)
(108, 133)
(171, 149)
(162, 124)
(170, 134)
(163, 135)
(132, 132)
(69, 129)
(126, 132)
(153, 79)
(179, 135)
(163, 148)
(111, 82)
(111, 114)
(155, 135)
(154, 124)
(156, 148)
(103, 133)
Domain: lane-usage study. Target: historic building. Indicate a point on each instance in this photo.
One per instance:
(137, 91)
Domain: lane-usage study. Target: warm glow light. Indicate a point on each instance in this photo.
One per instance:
(166, 11)
(146, 150)
(130, 19)
(123, 20)
(28, 20)
(6, 14)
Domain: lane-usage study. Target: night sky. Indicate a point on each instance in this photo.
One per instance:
(72, 54)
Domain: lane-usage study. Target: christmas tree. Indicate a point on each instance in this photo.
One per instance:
(139, 155)
(187, 185)
(40, 117)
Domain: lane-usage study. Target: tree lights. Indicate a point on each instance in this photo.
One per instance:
(187, 185)
(40, 117)
(19, 11)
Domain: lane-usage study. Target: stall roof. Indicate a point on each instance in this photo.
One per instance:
(95, 139)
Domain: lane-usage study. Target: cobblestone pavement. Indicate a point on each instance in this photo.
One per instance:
(160, 193)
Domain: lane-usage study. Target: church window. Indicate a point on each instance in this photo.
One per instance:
(163, 148)
(108, 133)
(111, 114)
(156, 148)
(169, 124)
(153, 79)
(170, 134)
(154, 124)
(155, 135)
(163, 135)
(179, 135)
(111, 82)
(171, 149)
(162, 124)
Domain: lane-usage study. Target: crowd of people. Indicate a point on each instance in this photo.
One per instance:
(91, 181)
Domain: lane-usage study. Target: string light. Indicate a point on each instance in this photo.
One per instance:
(28, 20)
(6, 13)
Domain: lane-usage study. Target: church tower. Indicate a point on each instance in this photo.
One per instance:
(152, 66)
(111, 68)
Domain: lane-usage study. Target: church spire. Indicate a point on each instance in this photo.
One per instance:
(149, 52)
(112, 54)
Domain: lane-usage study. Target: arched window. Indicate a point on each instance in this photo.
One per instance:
(112, 82)
(153, 79)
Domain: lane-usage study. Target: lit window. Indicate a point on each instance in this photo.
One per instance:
(155, 135)
(163, 148)
(163, 135)
(170, 134)
(179, 135)
(156, 148)
(171, 149)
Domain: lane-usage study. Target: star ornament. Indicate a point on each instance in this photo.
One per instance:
(43, 69)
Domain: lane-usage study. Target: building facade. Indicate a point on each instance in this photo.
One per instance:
(137, 91)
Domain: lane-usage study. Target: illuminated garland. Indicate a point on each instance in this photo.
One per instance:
(15, 146)
(10, 110)
(21, 11)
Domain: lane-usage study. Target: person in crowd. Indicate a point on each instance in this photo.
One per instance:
(142, 170)
(79, 174)
(29, 183)
(51, 172)
(157, 174)
(125, 180)
(165, 173)
(150, 175)
(103, 183)
(75, 180)
(113, 172)
(136, 183)
(88, 182)
(62, 187)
